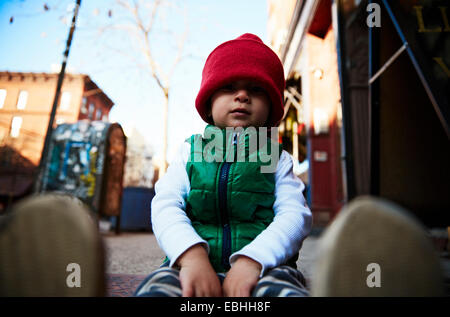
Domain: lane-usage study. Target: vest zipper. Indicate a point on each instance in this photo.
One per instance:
(223, 194)
(226, 232)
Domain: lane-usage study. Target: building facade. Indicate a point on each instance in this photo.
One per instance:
(301, 33)
(26, 100)
(371, 82)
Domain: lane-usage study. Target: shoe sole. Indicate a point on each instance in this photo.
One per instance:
(48, 244)
(376, 248)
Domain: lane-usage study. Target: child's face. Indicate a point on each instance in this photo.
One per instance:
(242, 103)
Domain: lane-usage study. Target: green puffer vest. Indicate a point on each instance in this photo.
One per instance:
(229, 203)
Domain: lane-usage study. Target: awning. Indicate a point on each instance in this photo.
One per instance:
(16, 172)
(303, 16)
(15, 185)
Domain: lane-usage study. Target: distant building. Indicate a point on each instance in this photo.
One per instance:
(139, 169)
(25, 105)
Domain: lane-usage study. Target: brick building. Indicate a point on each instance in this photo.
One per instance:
(301, 33)
(25, 105)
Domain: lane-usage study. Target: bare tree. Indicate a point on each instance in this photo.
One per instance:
(141, 22)
(139, 25)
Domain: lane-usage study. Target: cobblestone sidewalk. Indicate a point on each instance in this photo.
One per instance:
(139, 253)
(130, 257)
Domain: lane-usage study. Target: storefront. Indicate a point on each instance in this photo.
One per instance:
(310, 62)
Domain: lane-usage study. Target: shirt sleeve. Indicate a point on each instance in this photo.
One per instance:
(283, 238)
(171, 226)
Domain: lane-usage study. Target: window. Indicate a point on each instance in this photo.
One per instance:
(84, 105)
(65, 100)
(98, 115)
(15, 126)
(321, 121)
(2, 97)
(91, 110)
(22, 100)
(105, 117)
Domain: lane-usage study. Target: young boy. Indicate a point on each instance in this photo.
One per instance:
(228, 228)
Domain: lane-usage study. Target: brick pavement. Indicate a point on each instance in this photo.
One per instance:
(132, 256)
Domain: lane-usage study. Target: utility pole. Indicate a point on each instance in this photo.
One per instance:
(48, 136)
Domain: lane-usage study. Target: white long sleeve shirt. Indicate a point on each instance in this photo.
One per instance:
(280, 241)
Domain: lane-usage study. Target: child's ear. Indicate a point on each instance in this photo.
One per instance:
(269, 117)
(210, 119)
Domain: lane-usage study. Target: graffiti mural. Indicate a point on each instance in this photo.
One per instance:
(76, 161)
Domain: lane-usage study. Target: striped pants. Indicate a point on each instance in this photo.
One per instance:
(282, 281)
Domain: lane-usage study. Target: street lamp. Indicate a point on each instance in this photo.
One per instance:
(48, 136)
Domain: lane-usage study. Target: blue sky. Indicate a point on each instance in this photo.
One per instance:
(36, 40)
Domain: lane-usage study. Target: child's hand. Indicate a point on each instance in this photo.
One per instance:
(241, 278)
(197, 277)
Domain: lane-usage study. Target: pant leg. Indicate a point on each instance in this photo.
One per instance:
(164, 282)
(282, 281)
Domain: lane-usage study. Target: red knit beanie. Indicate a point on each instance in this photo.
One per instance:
(245, 57)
